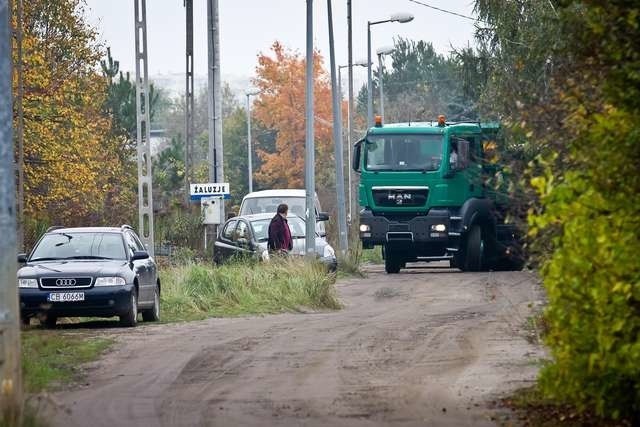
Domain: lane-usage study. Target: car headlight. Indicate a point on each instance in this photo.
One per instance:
(109, 281)
(364, 228)
(328, 252)
(27, 283)
(265, 255)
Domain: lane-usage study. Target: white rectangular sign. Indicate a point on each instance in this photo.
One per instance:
(198, 191)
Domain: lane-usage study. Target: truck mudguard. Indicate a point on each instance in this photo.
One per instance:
(478, 211)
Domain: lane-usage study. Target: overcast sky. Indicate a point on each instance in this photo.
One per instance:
(249, 27)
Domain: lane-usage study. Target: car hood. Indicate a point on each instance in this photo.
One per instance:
(299, 246)
(74, 267)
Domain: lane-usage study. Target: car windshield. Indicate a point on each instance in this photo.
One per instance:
(404, 152)
(256, 205)
(261, 228)
(80, 246)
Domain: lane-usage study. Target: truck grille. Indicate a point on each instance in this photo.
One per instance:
(400, 197)
(65, 282)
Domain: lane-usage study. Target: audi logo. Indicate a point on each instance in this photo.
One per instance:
(65, 282)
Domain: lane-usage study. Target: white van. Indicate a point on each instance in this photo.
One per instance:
(267, 201)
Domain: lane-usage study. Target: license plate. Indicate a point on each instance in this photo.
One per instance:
(66, 297)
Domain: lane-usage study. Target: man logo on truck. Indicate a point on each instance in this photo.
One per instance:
(399, 198)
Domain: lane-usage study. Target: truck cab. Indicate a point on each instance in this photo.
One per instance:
(423, 198)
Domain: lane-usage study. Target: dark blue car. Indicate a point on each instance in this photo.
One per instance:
(92, 272)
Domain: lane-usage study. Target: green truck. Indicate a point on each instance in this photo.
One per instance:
(423, 196)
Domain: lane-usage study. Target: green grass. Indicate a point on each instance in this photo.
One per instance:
(372, 256)
(193, 292)
(52, 358)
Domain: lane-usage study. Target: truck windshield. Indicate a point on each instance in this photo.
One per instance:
(403, 152)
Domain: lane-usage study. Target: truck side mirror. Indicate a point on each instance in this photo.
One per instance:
(355, 159)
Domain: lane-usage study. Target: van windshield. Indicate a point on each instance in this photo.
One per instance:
(403, 152)
(256, 205)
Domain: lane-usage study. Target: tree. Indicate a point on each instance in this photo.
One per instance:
(69, 149)
(281, 107)
(422, 84)
(564, 76)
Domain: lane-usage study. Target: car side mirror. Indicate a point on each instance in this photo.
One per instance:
(22, 258)
(139, 255)
(322, 216)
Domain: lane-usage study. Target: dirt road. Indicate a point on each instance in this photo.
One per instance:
(426, 347)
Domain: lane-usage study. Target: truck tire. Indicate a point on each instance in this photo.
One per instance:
(392, 263)
(474, 250)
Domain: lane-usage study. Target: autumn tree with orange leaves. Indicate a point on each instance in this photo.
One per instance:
(281, 107)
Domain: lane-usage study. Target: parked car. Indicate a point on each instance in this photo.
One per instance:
(93, 271)
(247, 235)
(267, 201)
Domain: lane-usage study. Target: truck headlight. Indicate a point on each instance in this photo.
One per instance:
(328, 252)
(109, 281)
(365, 227)
(441, 228)
(27, 283)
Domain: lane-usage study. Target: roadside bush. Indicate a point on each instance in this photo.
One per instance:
(195, 292)
(593, 276)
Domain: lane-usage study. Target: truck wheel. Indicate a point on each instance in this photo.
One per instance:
(392, 264)
(474, 253)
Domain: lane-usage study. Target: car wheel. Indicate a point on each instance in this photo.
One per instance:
(25, 320)
(49, 321)
(153, 314)
(130, 318)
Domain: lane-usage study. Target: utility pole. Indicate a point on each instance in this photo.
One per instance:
(337, 140)
(143, 129)
(189, 102)
(10, 374)
(351, 106)
(309, 158)
(216, 172)
(20, 121)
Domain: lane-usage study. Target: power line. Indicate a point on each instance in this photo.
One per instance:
(448, 11)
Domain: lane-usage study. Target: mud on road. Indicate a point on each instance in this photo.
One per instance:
(424, 347)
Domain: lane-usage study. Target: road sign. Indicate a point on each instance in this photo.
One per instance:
(211, 189)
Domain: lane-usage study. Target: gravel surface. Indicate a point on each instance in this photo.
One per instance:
(428, 346)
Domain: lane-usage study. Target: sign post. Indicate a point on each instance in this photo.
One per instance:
(211, 196)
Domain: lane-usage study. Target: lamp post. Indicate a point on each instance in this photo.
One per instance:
(361, 63)
(398, 17)
(381, 52)
(309, 146)
(249, 93)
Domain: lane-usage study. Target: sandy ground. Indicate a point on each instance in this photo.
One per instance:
(426, 347)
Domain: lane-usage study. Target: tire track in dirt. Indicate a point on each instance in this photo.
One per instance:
(424, 347)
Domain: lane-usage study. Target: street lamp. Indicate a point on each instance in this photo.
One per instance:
(398, 17)
(381, 52)
(249, 93)
(361, 63)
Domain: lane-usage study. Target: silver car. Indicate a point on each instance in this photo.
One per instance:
(247, 235)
